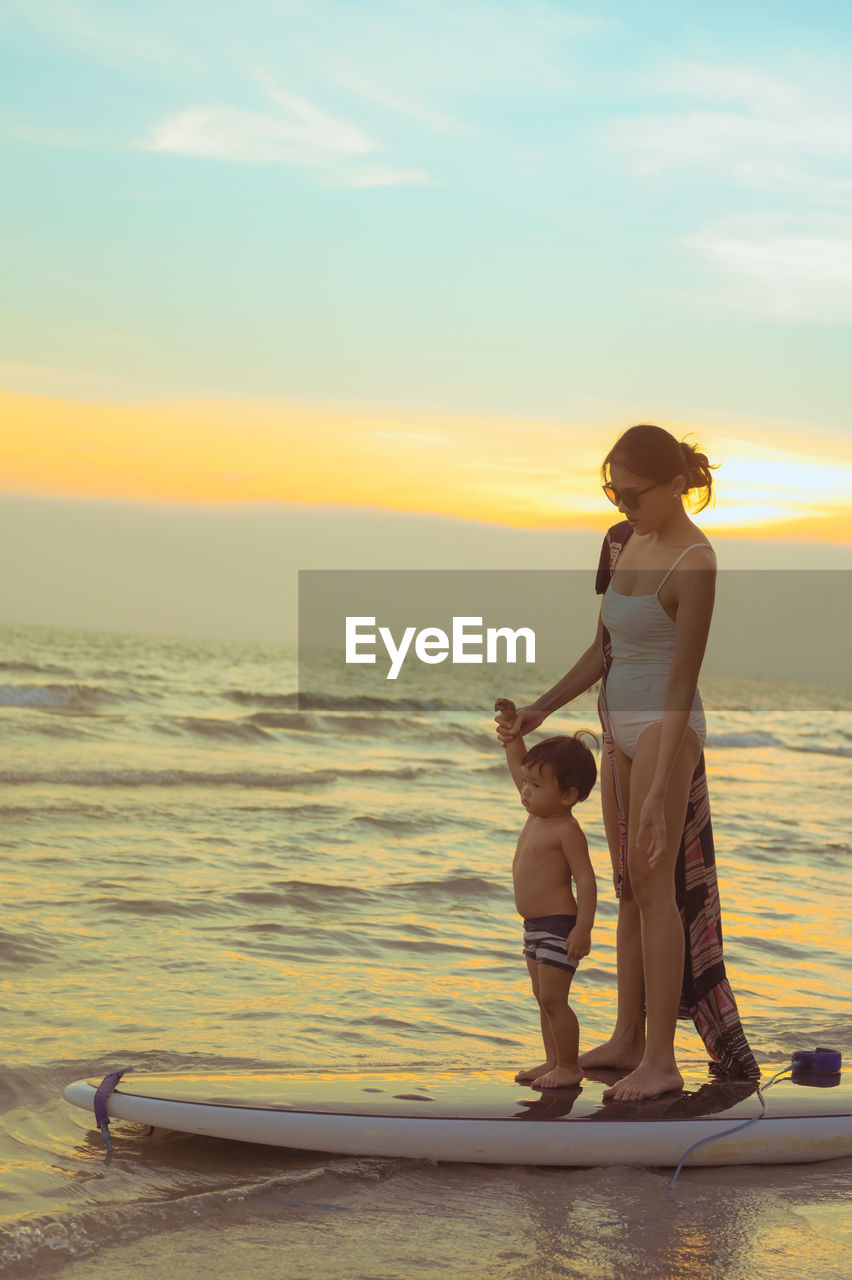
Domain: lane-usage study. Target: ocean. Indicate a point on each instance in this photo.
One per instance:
(205, 870)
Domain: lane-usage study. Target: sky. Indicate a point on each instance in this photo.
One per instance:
(372, 284)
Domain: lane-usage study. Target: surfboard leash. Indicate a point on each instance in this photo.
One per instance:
(818, 1068)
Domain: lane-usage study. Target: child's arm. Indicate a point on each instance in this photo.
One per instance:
(515, 750)
(576, 851)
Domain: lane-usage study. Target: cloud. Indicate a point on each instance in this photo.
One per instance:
(732, 133)
(379, 175)
(434, 48)
(750, 128)
(430, 120)
(302, 136)
(297, 133)
(796, 267)
(99, 30)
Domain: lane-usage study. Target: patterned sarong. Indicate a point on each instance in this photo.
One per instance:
(706, 995)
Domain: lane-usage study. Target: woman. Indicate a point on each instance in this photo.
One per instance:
(658, 592)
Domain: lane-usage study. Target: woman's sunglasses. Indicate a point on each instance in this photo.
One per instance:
(627, 497)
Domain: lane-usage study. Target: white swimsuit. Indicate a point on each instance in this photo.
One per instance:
(642, 636)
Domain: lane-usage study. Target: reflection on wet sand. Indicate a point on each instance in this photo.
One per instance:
(625, 1222)
(396, 1220)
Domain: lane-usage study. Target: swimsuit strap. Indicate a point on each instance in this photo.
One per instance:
(691, 547)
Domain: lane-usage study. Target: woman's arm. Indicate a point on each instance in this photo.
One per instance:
(515, 747)
(586, 671)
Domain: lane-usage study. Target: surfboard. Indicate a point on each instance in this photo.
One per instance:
(486, 1118)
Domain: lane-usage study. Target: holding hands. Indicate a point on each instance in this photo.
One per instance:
(512, 723)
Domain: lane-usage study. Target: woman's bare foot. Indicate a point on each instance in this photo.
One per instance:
(621, 1052)
(559, 1078)
(647, 1081)
(533, 1073)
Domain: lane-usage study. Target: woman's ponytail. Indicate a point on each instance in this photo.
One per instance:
(699, 473)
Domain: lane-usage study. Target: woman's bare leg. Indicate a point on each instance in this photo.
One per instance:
(626, 1044)
(661, 925)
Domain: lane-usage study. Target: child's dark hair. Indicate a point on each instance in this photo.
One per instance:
(570, 759)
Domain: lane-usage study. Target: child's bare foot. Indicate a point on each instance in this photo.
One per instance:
(622, 1052)
(559, 1078)
(646, 1081)
(533, 1073)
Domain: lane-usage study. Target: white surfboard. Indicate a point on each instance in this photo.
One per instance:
(485, 1118)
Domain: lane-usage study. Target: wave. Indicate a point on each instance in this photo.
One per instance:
(24, 950)
(397, 825)
(168, 778)
(79, 698)
(321, 811)
(117, 673)
(293, 722)
(67, 730)
(754, 738)
(368, 725)
(365, 725)
(156, 907)
(32, 668)
(74, 808)
(333, 702)
(306, 895)
(460, 886)
(39, 1245)
(225, 730)
(763, 738)
(191, 778)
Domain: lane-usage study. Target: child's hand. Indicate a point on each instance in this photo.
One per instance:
(512, 723)
(506, 716)
(578, 944)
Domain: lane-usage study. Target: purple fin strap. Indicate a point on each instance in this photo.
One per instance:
(104, 1089)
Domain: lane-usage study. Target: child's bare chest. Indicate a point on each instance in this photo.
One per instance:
(539, 845)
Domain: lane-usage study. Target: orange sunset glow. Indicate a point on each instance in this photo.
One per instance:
(499, 471)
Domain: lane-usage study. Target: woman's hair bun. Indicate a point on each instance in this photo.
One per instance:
(698, 470)
(649, 450)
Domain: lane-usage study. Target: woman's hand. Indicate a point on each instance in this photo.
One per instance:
(651, 836)
(512, 723)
